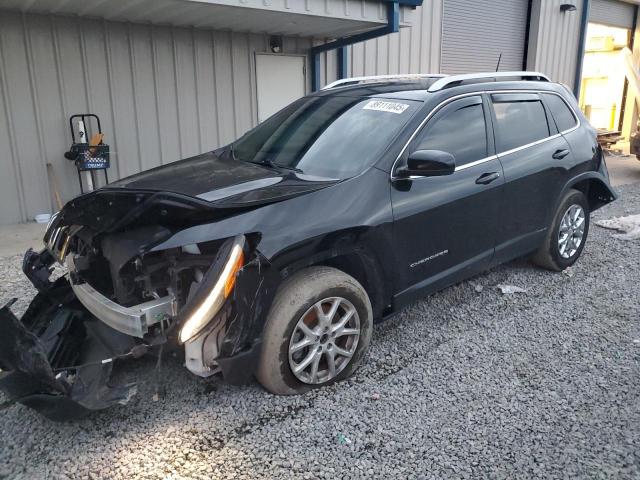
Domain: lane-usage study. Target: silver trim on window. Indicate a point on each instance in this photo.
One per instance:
(435, 109)
(477, 162)
(523, 147)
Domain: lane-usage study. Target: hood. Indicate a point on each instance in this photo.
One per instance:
(203, 188)
(197, 175)
(219, 179)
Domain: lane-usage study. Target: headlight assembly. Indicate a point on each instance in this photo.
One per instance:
(207, 304)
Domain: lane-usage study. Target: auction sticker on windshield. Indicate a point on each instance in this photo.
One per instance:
(381, 106)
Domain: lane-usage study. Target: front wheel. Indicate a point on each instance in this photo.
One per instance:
(567, 235)
(317, 331)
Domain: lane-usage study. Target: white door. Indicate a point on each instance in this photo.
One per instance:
(280, 80)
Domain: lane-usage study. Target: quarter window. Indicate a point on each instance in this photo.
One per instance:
(562, 114)
(460, 130)
(520, 120)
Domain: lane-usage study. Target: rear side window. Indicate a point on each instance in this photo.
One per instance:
(520, 120)
(561, 112)
(459, 129)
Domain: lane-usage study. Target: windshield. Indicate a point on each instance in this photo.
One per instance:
(332, 137)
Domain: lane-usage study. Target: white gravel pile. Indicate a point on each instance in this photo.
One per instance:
(467, 383)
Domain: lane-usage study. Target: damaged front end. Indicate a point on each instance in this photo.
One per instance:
(122, 296)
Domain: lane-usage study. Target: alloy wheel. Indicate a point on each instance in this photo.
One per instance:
(324, 340)
(571, 231)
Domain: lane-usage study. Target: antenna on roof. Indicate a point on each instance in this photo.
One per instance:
(499, 58)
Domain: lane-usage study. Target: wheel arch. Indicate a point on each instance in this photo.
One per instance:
(594, 187)
(357, 262)
(366, 271)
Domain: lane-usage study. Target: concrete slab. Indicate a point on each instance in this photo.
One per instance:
(16, 239)
(623, 169)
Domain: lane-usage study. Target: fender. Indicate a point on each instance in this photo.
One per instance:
(356, 260)
(597, 197)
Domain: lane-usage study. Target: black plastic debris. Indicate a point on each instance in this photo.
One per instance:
(58, 358)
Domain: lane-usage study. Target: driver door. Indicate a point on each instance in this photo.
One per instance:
(445, 226)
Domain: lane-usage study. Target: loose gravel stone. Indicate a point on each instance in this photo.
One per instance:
(467, 383)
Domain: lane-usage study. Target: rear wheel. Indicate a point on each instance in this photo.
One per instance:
(317, 331)
(565, 239)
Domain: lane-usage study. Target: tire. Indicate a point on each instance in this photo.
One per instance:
(297, 298)
(549, 255)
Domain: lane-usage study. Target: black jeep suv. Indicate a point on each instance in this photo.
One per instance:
(273, 256)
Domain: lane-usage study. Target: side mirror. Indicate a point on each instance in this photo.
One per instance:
(428, 163)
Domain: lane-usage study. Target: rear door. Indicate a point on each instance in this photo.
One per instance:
(444, 227)
(534, 158)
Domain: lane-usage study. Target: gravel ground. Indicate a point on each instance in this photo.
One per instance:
(467, 383)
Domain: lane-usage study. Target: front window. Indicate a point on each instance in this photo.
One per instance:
(332, 137)
(459, 129)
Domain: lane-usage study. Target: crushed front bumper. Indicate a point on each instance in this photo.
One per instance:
(58, 358)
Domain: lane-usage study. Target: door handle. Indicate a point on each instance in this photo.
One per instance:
(560, 154)
(487, 178)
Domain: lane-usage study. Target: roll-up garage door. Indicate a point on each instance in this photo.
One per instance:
(476, 33)
(612, 13)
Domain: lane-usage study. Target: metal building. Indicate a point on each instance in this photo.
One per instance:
(173, 78)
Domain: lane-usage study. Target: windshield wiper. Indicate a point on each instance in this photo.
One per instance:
(267, 163)
(293, 169)
(272, 164)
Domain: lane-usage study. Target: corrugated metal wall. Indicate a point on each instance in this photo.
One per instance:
(553, 40)
(414, 49)
(162, 93)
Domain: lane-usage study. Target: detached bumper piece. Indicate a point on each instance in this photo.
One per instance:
(58, 359)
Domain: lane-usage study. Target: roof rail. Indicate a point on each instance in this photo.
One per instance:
(453, 80)
(355, 80)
